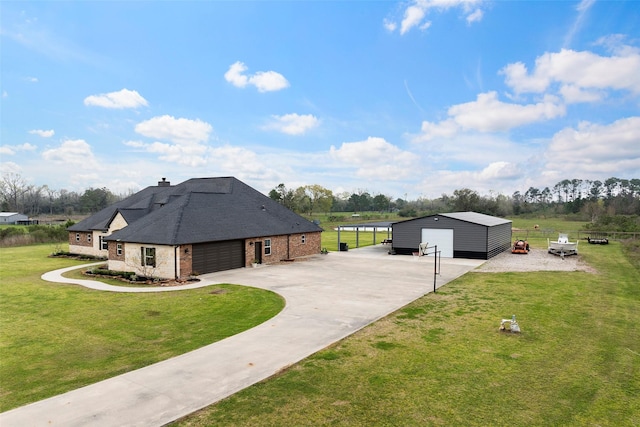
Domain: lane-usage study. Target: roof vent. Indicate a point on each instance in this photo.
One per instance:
(164, 183)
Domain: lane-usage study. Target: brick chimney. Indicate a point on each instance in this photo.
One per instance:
(164, 183)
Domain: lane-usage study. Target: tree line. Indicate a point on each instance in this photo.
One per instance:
(585, 199)
(16, 195)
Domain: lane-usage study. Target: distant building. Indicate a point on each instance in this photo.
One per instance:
(13, 218)
(202, 225)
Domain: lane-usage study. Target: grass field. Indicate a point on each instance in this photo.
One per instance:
(55, 338)
(441, 360)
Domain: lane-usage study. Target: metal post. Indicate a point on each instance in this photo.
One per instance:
(374, 236)
(339, 227)
(357, 237)
(435, 266)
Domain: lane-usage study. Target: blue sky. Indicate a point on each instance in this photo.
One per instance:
(407, 99)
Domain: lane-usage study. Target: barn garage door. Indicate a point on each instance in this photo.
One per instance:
(441, 237)
(218, 256)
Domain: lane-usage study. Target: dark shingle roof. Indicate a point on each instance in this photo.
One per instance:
(131, 208)
(207, 210)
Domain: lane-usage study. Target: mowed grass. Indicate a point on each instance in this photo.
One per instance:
(56, 337)
(441, 361)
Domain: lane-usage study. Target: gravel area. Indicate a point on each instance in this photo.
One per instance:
(535, 260)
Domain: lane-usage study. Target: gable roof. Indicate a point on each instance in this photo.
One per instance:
(472, 217)
(131, 208)
(477, 218)
(203, 210)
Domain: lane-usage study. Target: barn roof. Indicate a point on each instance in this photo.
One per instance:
(472, 217)
(477, 218)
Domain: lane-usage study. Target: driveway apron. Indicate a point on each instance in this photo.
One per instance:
(328, 297)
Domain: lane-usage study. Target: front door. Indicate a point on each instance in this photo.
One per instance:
(258, 254)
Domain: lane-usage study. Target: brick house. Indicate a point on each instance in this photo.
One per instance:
(200, 226)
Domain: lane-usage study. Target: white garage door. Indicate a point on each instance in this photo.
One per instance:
(441, 237)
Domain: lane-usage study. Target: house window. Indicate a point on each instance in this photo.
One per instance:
(119, 249)
(267, 246)
(88, 237)
(148, 256)
(304, 239)
(104, 245)
(77, 237)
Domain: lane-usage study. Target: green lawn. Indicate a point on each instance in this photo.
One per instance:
(441, 360)
(55, 337)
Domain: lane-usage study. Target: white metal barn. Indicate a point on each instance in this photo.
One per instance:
(458, 235)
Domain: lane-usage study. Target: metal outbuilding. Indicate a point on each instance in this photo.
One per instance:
(458, 235)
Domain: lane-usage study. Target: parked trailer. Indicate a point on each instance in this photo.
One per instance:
(604, 241)
(563, 247)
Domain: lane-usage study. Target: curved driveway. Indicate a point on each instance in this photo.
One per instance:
(327, 298)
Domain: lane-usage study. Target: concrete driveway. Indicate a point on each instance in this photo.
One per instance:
(327, 298)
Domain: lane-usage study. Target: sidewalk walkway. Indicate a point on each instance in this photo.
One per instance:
(328, 298)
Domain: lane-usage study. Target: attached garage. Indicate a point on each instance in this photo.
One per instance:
(218, 256)
(458, 235)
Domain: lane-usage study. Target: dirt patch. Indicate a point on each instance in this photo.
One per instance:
(535, 260)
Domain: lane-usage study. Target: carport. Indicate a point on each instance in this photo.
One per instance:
(383, 228)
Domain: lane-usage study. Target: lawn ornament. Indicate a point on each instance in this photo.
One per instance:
(563, 247)
(513, 324)
(520, 247)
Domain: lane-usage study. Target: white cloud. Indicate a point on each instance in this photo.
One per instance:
(180, 131)
(475, 16)
(412, 17)
(375, 158)
(189, 139)
(72, 154)
(264, 81)
(582, 9)
(7, 150)
(5, 94)
(10, 150)
(584, 70)
(10, 167)
(415, 14)
(595, 150)
(42, 133)
(117, 100)
(187, 155)
(293, 124)
(389, 25)
(488, 114)
(500, 171)
(573, 94)
(31, 79)
(234, 74)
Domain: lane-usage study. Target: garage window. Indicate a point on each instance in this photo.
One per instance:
(304, 239)
(148, 256)
(119, 249)
(103, 243)
(77, 237)
(267, 246)
(89, 237)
